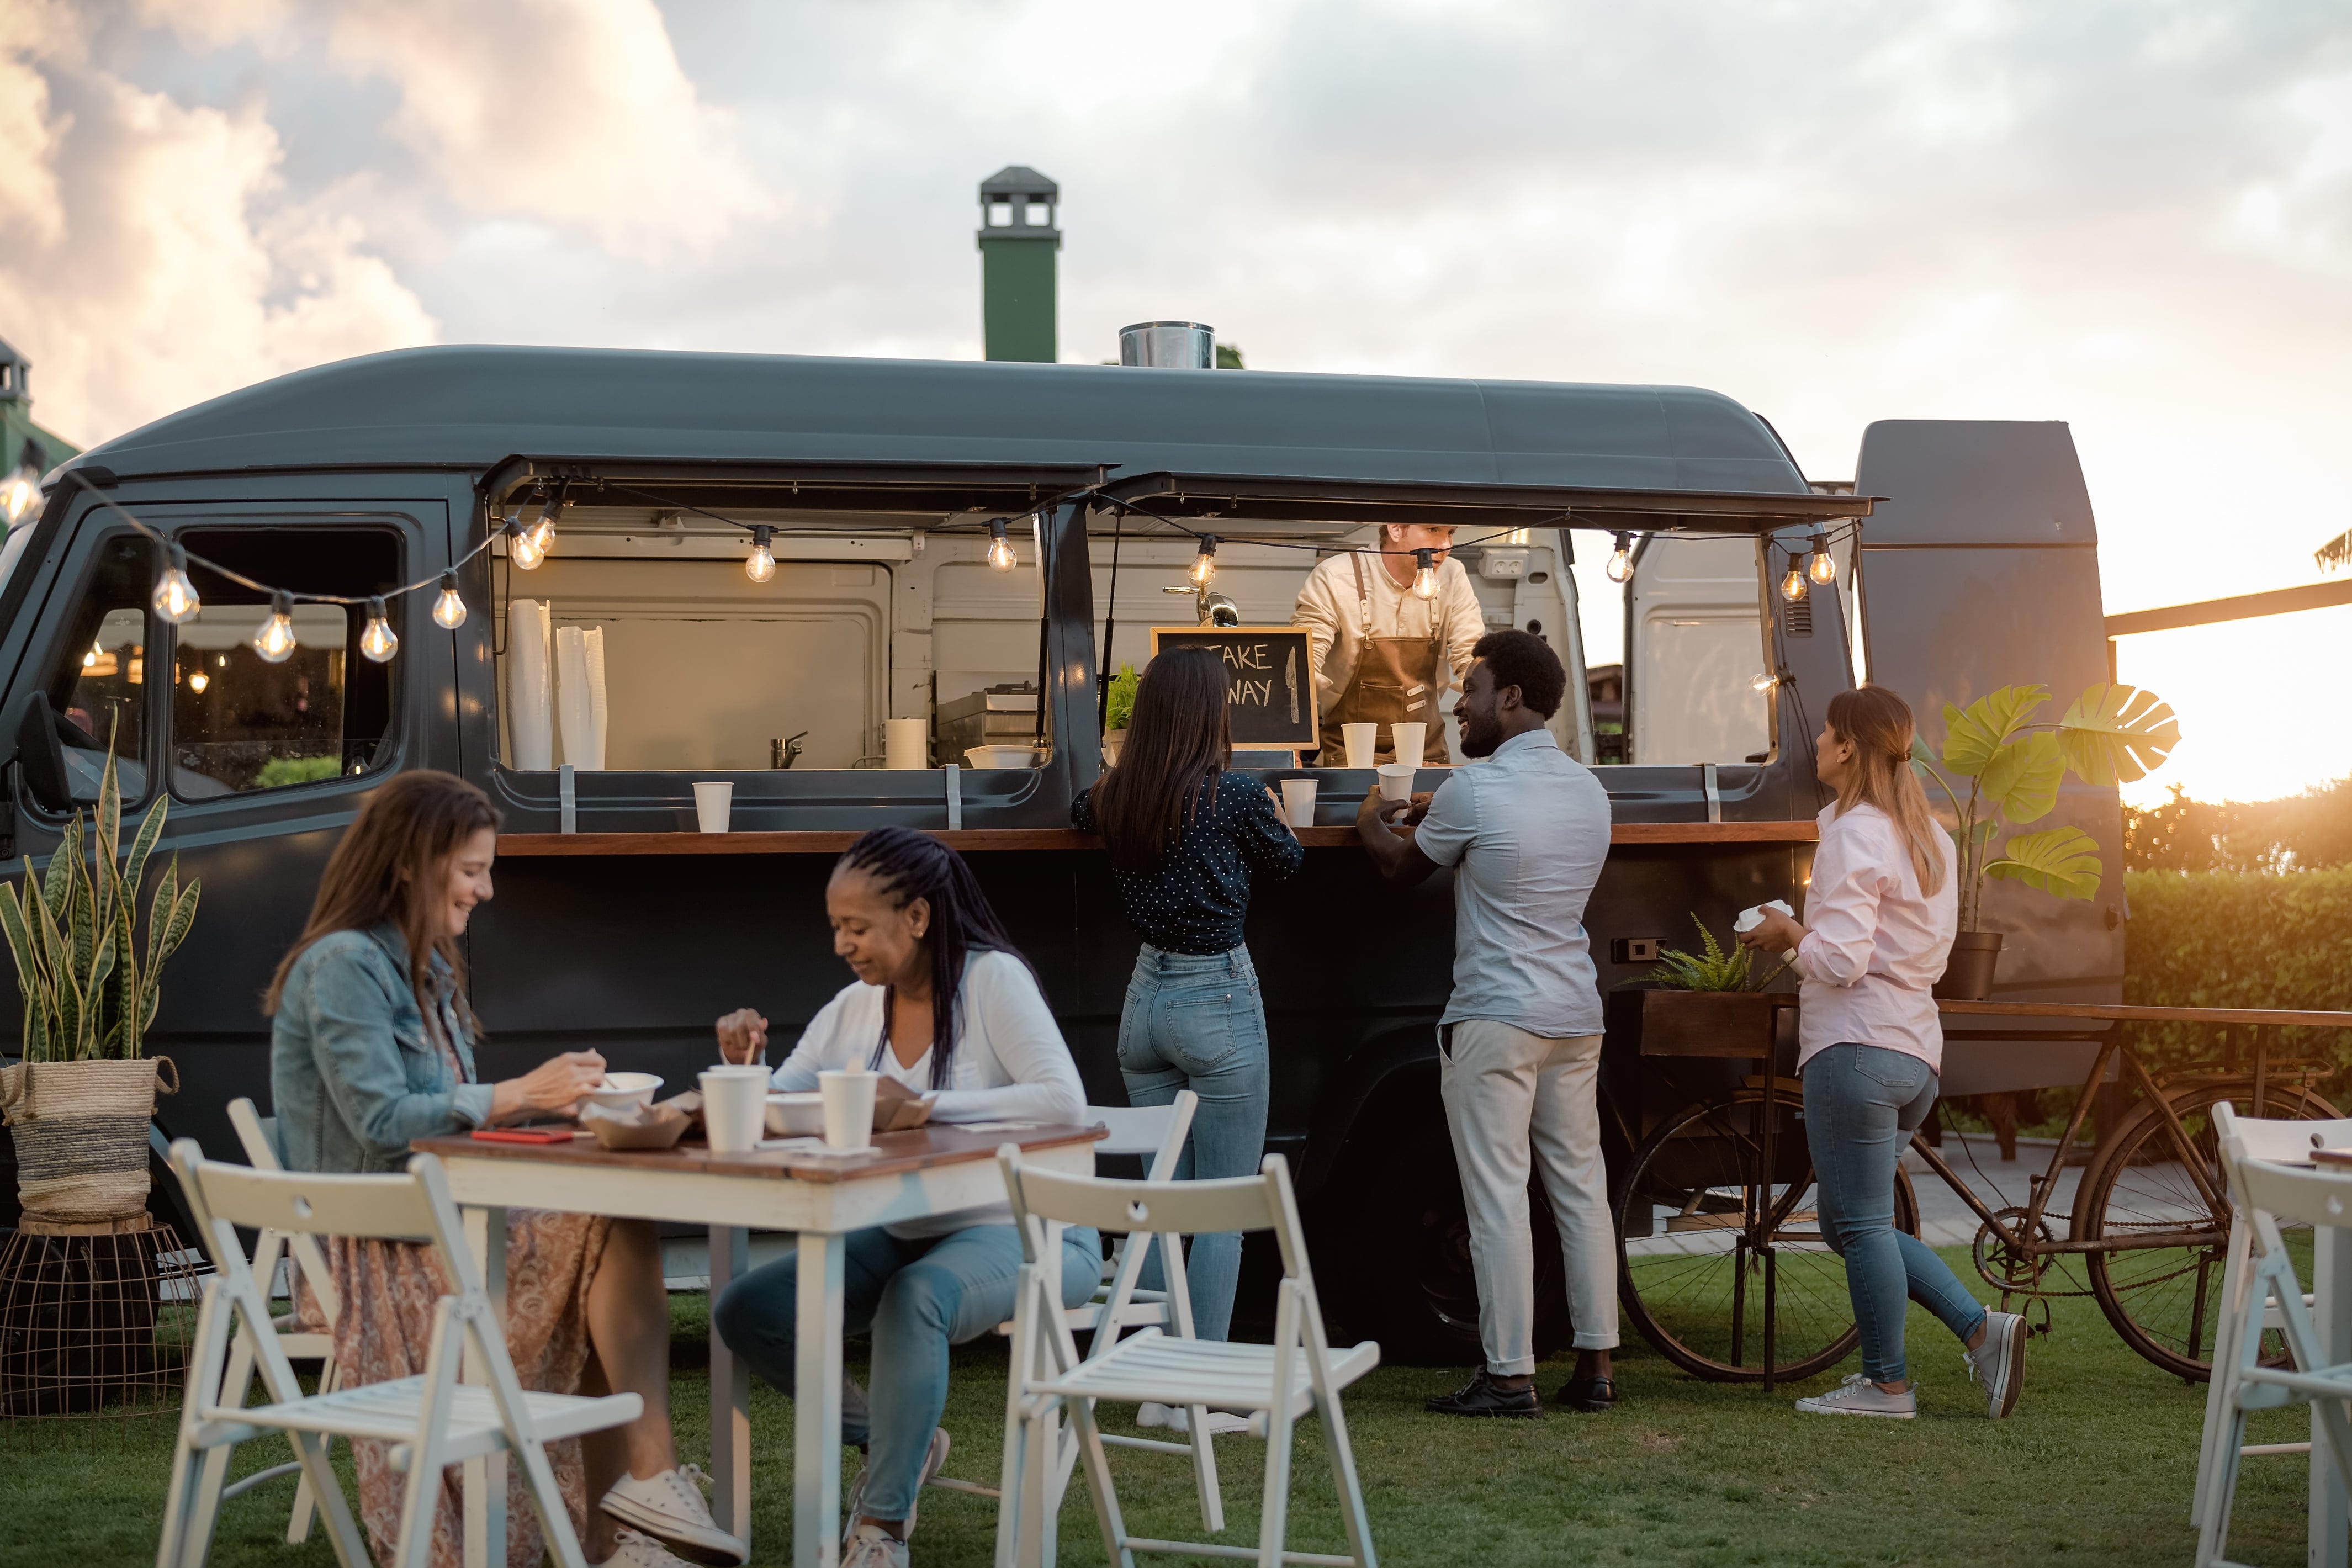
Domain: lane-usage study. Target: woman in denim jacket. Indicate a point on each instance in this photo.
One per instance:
(374, 1046)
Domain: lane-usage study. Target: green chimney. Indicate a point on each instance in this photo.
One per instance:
(1018, 242)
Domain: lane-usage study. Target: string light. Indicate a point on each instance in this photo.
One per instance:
(542, 533)
(175, 597)
(1822, 566)
(1001, 554)
(1765, 680)
(1424, 573)
(519, 549)
(275, 641)
(379, 642)
(91, 657)
(1204, 564)
(760, 565)
(1621, 563)
(1793, 586)
(449, 609)
(21, 493)
(198, 680)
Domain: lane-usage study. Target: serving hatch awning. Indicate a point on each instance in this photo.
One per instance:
(1258, 499)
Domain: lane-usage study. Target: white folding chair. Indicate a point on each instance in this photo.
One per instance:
(432, 1420)
(1296, 1374)
(258, 1134)
(2287, 1142)
(2268, 1193)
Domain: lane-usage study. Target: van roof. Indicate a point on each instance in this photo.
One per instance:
(473, 406)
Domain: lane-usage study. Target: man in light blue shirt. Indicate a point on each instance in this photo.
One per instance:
(1520, 1044)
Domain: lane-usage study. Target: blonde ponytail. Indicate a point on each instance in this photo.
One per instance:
(1879, 724)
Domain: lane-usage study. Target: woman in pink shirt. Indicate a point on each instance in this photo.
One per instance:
(1882, 910)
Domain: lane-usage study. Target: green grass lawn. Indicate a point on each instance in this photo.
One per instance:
(2094, 1467)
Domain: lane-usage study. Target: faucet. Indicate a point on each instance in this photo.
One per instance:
(783, 753)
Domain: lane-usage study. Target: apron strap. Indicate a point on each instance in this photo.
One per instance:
(1363, 593)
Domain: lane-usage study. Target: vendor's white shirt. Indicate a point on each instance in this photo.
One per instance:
(1874, 945)
(1332, 614)
(1009, 1062)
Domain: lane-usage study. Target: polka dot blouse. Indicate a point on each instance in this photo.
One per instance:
(1196, 901)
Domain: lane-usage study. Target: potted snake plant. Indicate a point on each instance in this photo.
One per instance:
(79, 1103)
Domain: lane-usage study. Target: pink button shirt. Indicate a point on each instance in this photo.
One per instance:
(1873, 944)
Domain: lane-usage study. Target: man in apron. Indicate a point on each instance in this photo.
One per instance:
(1383, 654)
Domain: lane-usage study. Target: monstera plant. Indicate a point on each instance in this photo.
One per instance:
(2011, 765)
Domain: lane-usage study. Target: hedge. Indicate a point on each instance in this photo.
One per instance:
(2241, 939)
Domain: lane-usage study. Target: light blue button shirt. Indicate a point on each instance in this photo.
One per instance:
(1529, 830)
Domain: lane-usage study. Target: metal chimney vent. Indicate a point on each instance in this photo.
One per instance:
(1169, 345)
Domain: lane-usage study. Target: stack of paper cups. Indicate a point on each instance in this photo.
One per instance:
(906, 743)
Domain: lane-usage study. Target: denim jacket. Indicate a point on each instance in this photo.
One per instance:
(352, 1073)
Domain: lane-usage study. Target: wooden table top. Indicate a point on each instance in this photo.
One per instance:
(896, 1153)
(971, 840)
(2144, 1015)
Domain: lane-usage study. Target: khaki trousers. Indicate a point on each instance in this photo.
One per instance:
(1512, 1099)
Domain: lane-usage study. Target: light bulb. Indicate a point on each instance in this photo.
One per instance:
(449, 609)
(542, 533)
(175, 597)
(1822, 568)
(1001, 554)
(275, 641)
(1793, 586)
(198, 681)
(1621, 563)
(91, 657)
(379, 642)
(20, 494)
(523, 552)
(760, 565)
(1424, 575)
(1204, 564)
(1765, 680)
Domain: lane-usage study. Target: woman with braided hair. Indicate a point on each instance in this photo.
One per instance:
(942, 1002)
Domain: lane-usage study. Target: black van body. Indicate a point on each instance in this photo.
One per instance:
(635, 955)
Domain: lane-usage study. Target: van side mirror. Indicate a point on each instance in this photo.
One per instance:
(43, 754)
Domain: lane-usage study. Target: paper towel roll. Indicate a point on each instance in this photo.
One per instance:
(906, 743)
(575, 704)
(596, 690)
(530, 728)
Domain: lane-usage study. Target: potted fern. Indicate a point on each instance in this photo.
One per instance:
(79, 1103)
(1711, 1003)
(2012, 766)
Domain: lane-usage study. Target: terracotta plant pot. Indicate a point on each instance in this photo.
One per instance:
(80, 1131)
(1967, 973)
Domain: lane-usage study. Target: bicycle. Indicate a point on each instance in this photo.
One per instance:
(1731, 1180)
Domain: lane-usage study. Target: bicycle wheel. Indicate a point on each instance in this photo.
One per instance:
(1688, 1274)
(2164, 1299)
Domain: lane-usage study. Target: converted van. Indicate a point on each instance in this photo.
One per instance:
(587, 691)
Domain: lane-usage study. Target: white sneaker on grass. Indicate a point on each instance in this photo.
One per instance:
(1221, 1423)
(871, 1546)
(669, 1507)
(1997, 1365)
(631, 1550)
(935, 1459)
(1857, 1395)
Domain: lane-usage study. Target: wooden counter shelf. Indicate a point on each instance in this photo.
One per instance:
(973, 840)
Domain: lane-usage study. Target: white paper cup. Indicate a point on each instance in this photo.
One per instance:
(734, 1108)
(713, 804)
(1396, 781)
(906, 743)
(848, 1108)
(1363, 744)
(1408, 739)
(1299, 802)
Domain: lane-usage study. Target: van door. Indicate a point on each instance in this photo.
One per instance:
(1980, 570)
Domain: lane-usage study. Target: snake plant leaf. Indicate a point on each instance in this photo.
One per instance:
(57, 882)
(1972, 735)
(2117, 734)
(2060, 861)
(109, 807)
(30, 980)
(134, 869)
(2023, 778)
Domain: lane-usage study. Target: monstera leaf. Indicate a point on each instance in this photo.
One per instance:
(2117, 734)
(2022, 777)
(1974, 735)
(2063, 862)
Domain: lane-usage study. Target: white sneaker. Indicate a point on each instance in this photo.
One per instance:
(669, 1507)
(1998, 1365)
(935, 1459)
(1857, 1395)
(870, 1546)
(1221, 1423)
(635, 1551)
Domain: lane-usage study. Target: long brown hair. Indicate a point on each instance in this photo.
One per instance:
(1879, 724)
(1179, 740)
(390, 865)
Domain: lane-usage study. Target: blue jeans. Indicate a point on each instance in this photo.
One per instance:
(917, 1297)
(1861, 1105)
(1194, 1021)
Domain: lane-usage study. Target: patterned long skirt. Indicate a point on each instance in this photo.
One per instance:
(388, 1290)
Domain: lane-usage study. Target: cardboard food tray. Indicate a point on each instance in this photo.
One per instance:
(645, 1126)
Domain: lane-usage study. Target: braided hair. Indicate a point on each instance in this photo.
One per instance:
(907, 864)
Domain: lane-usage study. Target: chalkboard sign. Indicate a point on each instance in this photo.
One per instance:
(1269, 681)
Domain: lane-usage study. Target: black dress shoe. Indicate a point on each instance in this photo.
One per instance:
(1479, 1396)
(1591, 1395)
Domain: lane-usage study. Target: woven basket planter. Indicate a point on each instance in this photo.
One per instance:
(80, 1131)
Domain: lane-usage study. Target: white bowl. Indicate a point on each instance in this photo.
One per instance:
(800, 1114)
(622, 1089)
(1001, 757)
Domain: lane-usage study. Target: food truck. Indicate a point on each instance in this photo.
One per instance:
(760, 569)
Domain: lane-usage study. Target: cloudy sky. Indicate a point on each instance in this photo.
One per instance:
(2135, 216)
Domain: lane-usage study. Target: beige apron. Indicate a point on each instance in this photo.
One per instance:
(1396, 683)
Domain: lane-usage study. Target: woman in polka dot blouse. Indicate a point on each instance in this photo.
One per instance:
(1188, 838)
